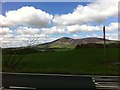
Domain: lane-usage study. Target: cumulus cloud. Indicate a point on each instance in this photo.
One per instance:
(112, 36)
(26, 16)
(109, 36)
(11, 40)
(24, 36)
(5, 31)
(89, 28)
(47, 31)
(94, 35)
(112, 26)
(54, 30)
(4, 22)
(96, 11)
(30, 16)
(28, 34)
(27, 30)
(82, 28)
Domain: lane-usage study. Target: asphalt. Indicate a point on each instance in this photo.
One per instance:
(39, 81)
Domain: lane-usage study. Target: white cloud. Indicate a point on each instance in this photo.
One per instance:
(4, 22)
(54, 30)
(47, 31)
(82, 28)
(95, 35)
(109, 36)
(96, 11)
(112, 36)
(89, 28)
(5, 31)
(26, 30)
(112, 26)
(25, 35)
(23, 40)
(26, 16)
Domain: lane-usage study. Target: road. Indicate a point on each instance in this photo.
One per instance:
(39, 81)
(107, 82)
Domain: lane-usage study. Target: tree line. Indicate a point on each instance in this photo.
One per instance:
(95, 45)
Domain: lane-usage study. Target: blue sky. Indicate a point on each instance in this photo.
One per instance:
(50, 7)
(60, 19)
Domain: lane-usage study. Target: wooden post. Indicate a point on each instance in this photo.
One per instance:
(104, 44)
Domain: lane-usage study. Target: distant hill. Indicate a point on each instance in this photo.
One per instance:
(66, 42)
(63, 44)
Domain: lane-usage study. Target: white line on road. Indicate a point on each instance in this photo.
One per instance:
(56, 74)
(28, 88)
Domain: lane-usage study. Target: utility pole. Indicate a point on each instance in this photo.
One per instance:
(104, 44)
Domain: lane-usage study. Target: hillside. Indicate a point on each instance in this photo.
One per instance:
(66, 42)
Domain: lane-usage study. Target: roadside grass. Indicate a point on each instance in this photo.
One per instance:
(77, 61)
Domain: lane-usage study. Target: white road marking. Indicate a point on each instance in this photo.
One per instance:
(60, 75)
(28, 88)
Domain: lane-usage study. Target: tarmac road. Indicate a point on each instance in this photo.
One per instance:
(39, 81)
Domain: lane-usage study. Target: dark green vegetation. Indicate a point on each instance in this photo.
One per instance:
(94, 45)
(77, 61)
(64, 55)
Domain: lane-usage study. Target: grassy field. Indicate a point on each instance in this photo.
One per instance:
(77, 61)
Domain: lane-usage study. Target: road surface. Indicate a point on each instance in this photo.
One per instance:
(39, 81)
(29, 81)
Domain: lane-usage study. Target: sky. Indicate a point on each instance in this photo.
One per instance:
(21, 23)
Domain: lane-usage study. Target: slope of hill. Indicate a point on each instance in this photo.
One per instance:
(66, 42)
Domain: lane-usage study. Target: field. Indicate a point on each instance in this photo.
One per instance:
(77, 61)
